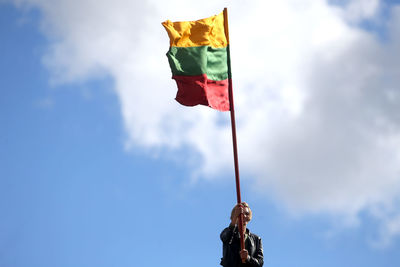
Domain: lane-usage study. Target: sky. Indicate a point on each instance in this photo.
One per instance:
(100, 166)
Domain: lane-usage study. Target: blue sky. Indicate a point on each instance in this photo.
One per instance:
(99, 166)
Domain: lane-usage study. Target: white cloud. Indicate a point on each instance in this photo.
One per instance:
(316, 97)
(357, 10)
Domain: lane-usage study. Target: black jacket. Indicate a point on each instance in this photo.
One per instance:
(231, 248)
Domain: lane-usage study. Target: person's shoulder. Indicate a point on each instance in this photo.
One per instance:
(230, 228)
(255, 236)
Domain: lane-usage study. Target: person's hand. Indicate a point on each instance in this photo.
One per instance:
(244, 254)
(236, 213)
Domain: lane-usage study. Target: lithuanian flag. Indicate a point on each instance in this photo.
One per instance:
(198, 57)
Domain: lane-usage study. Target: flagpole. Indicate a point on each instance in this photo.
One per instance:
(233, 126)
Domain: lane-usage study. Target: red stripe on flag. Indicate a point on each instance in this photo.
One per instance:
(198, 90)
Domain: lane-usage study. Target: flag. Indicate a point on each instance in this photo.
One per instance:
(198, 57)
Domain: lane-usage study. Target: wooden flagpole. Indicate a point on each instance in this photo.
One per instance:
(233, 126)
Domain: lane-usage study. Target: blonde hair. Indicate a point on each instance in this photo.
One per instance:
(244, 204)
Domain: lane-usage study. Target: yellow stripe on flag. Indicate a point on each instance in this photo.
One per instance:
(204, 32)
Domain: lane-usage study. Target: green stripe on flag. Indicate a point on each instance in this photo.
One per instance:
(191, 61)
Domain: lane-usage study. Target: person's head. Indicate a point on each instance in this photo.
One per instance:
(247, 213)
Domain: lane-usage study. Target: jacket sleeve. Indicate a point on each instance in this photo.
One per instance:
(226, 234)
(258, 259)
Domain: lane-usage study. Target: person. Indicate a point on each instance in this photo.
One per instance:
(233, 255)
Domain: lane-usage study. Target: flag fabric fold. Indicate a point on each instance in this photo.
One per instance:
(198, 57)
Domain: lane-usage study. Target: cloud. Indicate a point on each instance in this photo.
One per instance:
(316, 95)
(357, 10)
